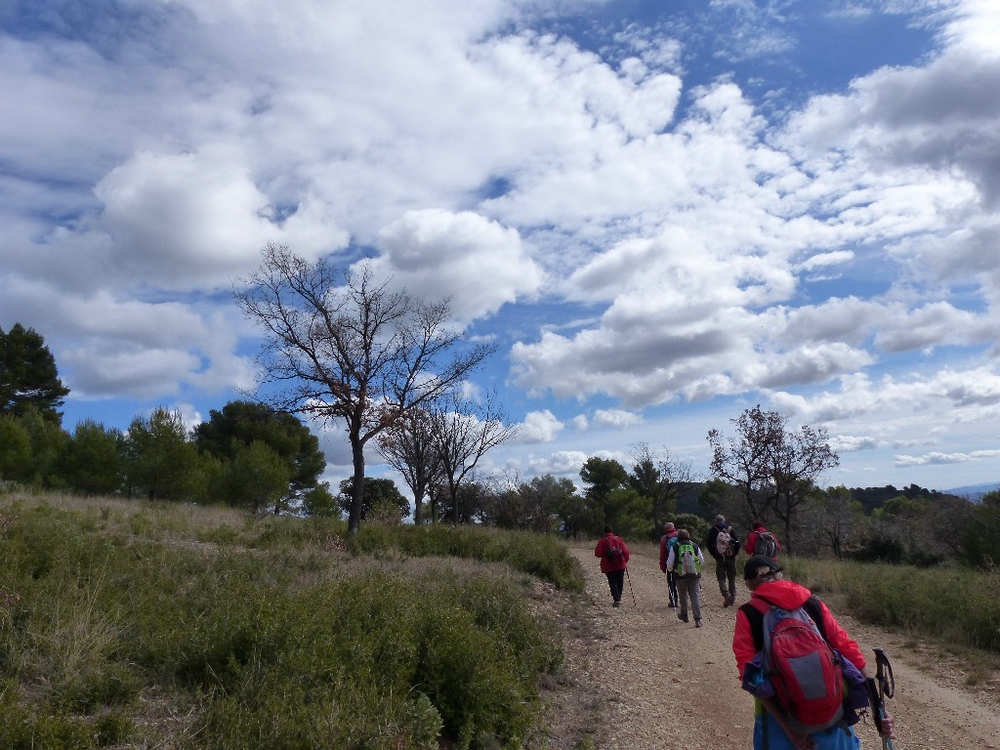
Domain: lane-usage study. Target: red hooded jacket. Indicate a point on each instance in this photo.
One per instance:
(607, 566)
(751, 544)
(790, 595)
(672, 534)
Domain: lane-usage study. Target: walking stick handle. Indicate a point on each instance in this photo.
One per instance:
(886, 683)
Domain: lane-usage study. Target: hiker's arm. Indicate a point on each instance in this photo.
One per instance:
(840, 640)
(799, 741)
(743, 646)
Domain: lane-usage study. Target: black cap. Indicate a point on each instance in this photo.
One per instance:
(759, 566)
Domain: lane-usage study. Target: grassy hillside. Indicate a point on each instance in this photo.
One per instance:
(125, 624)
(953, 607)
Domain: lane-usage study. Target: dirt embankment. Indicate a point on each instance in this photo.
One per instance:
(638, 678)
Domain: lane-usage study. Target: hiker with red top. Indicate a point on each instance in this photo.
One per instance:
(614, 556)
(760, 541)
(667, 542)
(794, 656)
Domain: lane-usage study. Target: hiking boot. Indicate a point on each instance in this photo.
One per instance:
(725, 600)
(732, 600)
(682, 616)
(616, 604)
(697, 623)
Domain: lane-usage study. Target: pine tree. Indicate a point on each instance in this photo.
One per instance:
(28, 375)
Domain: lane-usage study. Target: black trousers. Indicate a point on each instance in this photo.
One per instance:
(616, 582)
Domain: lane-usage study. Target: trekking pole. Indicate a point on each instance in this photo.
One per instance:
(634, 602)
(886, 687)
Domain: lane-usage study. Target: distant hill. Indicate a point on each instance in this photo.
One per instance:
(870, 497)
(974, 491)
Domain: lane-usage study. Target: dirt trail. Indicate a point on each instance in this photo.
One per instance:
(664, 684)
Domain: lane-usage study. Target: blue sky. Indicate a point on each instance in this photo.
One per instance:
(663, 213)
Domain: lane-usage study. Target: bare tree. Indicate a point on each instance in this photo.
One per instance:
(836, 518)
(341, 346)
(745, 460)
(463, 431)
(408, 447)
(796, 464)
(658, 475)
(774, 468)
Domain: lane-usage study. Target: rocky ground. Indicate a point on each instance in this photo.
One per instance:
(638, 678)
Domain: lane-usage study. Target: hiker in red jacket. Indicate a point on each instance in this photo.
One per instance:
(772, 730)
(614, 556)
(667, 542)
(769, 545)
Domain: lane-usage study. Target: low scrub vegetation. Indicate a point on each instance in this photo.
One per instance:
(140, 625)
(951, 604)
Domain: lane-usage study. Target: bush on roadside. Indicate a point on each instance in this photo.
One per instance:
(540, 555)
(272, 640)
(950, 603)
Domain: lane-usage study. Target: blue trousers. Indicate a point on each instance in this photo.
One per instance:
(768, 735)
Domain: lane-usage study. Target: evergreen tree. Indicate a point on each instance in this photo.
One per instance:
(382, 499)
(257, 477)
(160, 462)
(91, 460)
(15, 450)
(48, 441)
(228, 433)
(28, 375)
(620, 505)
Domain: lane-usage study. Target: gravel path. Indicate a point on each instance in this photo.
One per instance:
(643, 679)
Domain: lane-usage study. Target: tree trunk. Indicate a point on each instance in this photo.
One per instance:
(358, 490)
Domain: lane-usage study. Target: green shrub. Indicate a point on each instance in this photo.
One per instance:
(377, 660)
(26, 727)
(536, 554)
(260, 626)
(953, 604)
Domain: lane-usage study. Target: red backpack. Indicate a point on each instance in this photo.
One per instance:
(803, 668)
(613, 550)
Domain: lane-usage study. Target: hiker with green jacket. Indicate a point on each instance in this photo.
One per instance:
(686, 561)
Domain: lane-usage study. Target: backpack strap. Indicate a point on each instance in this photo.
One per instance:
(758, 606)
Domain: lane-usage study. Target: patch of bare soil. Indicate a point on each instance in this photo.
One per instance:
(638, 678)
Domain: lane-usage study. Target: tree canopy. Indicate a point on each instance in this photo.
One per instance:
(775, 468)
(382, 498)
(229, 433)
(342, 346)
(28, 375)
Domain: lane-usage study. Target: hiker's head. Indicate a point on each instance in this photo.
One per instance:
(720, 518)
(607, 529)
(668, 526)
(760, 569)
(756, 524)
(684, 535)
